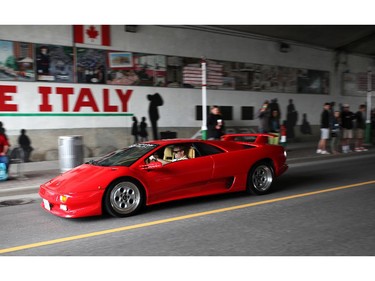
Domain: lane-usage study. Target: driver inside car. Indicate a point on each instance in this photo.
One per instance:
(179, 152)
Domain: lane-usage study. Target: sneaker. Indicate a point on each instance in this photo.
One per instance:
(358, 149)
(325, 152)
(319, 151)
(364, 149)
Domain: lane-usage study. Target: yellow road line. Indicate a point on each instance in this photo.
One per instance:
(179, 218)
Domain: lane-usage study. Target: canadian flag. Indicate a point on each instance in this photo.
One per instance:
(92, 34)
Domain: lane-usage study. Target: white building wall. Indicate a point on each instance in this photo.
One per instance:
(178, 111)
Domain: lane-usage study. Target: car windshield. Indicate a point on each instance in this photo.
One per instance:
(124, 157)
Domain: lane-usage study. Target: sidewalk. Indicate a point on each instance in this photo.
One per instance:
(27, 178)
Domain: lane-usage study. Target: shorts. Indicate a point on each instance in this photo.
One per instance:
(324, 133)
(347, 134)
(360, 133)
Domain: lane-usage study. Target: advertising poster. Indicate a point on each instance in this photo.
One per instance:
(54, 63)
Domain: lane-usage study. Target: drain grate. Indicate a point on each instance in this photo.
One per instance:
(7, 203)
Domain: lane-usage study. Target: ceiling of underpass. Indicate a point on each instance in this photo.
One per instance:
(351, 39)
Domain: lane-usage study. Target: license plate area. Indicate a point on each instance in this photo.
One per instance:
(46, 204)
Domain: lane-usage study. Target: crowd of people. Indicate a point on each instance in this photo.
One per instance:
(7, 152)
(139, 131)
(341, 130)
(345, 129)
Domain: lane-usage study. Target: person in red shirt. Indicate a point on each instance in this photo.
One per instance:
(4, 147)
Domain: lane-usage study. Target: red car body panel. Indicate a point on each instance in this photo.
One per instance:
(84, 186)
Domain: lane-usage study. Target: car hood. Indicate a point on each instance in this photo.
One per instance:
(84, 178)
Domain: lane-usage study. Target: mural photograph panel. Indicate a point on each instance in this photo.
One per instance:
(16, 61)
(54, 63)
(121, 70)
(192, 73)
(267, 78)
(150, 69)
(312, 82)
(287, 80)
(244, 76)
(174, 71)
(91, 66)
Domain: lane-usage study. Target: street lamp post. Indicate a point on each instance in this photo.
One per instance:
(204, 100)
(368, 111)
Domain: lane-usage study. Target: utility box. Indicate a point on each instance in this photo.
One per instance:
(70, 152)
(168, 135)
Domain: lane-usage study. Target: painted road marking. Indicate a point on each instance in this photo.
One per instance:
(179, 218)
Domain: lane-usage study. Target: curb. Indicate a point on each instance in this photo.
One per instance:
(19, 191)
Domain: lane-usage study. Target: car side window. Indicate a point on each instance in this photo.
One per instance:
(205, 149)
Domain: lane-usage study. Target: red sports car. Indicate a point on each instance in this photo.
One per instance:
(124, 181)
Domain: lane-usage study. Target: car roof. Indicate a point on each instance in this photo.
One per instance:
(226, 145)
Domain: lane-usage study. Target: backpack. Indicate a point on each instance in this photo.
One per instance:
(3, 172)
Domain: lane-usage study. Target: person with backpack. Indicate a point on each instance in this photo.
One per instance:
(4, 159)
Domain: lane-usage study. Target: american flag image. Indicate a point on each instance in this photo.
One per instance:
(192, 74)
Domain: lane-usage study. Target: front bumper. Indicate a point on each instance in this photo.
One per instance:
(77, 205)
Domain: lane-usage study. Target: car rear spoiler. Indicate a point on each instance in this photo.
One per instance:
(253, 138)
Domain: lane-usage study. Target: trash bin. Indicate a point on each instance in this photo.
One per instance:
(70, 152)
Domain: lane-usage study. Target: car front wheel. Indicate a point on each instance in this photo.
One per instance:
(260, 179)
(124, 198)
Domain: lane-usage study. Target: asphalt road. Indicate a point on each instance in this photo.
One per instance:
(297, 219)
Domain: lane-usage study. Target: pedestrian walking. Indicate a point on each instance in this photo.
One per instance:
(143, 134)
(135, 129)
(215, 123)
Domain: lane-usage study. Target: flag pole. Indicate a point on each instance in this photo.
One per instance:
(204, 100)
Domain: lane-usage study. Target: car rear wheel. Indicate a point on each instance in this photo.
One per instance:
(124, 198)
(260, 179)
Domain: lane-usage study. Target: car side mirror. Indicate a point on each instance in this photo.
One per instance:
(152, 165)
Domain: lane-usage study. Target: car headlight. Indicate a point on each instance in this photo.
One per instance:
(63, 198)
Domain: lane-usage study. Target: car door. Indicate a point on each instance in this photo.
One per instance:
(231, 170)
(180, 179)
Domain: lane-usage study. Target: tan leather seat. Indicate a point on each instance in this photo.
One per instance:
(191, 153)
(168, 154)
